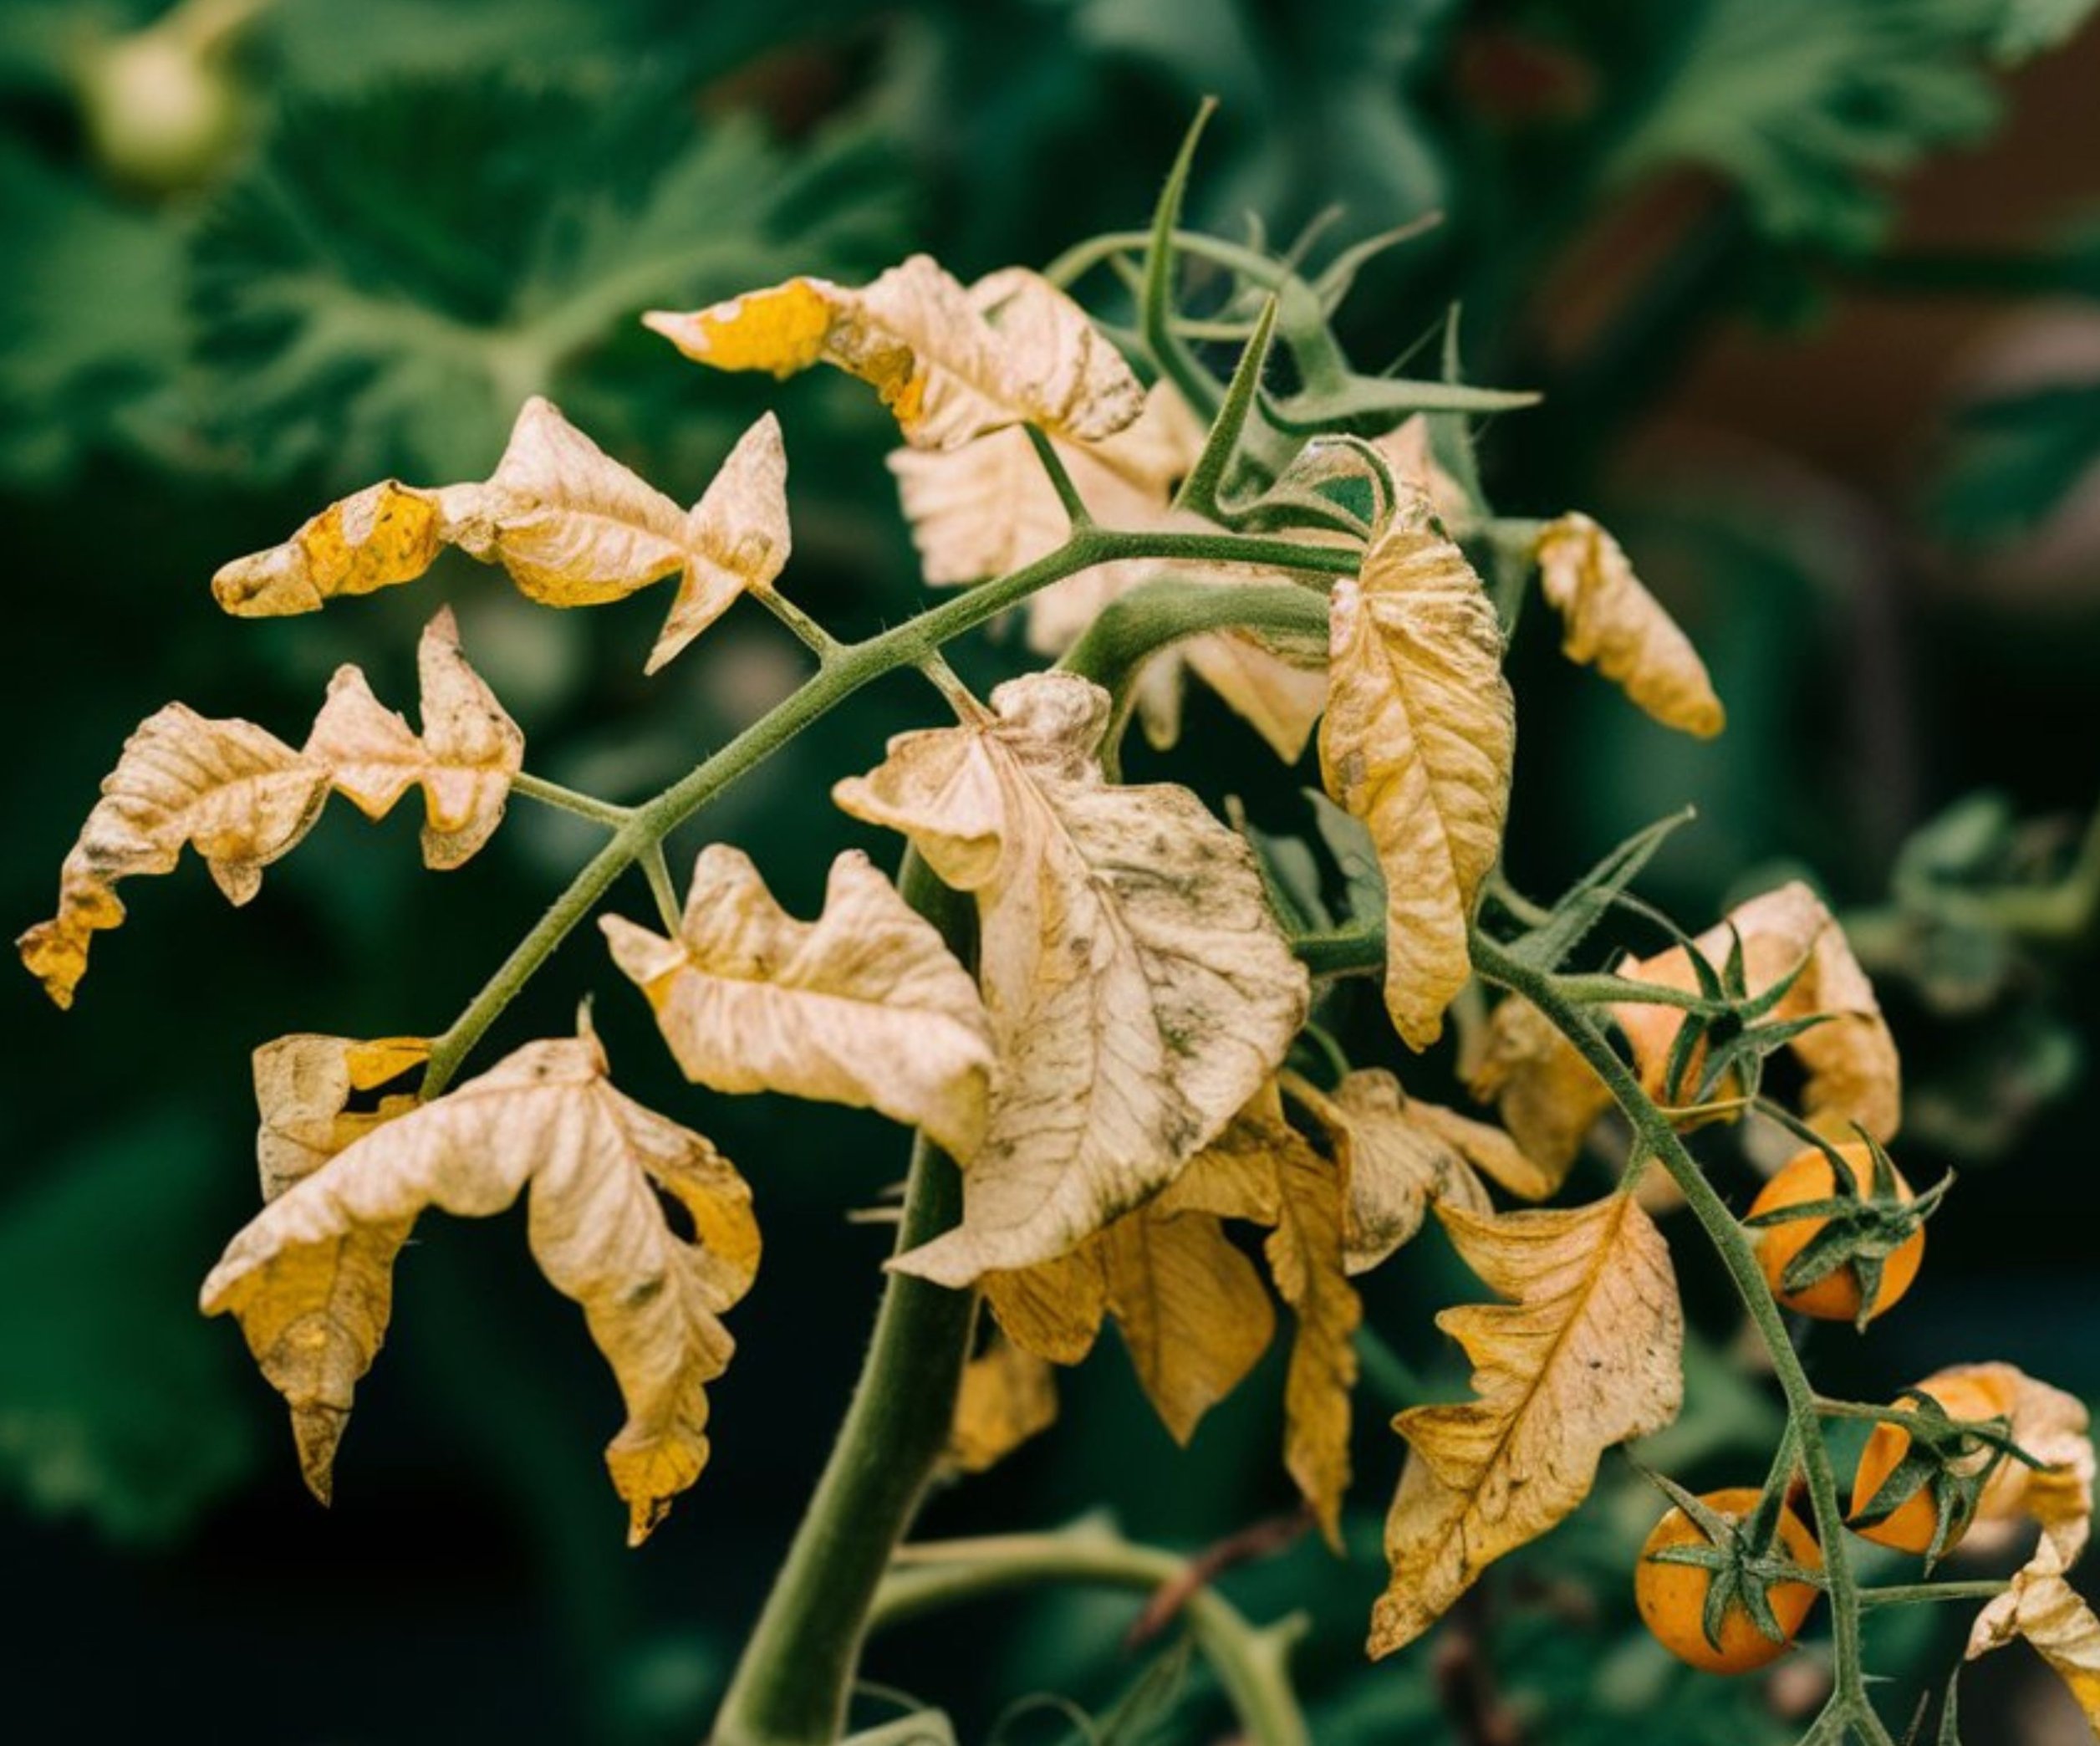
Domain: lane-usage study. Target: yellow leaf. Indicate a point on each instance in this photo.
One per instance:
(1407, 450)
(1053, 1309)
(1190, 1308)
(572, 526)
(949, 364)
(309, 1277)
(1007, 1397)
(1586, 1353)
(1852, 1073)
(386, 534)
(1614, 623)
(468, 752)
(1139, 988)
(1547, 1094)
(303, 1086)
(239, 796)
(1394, 1165)
(865, 1006)
(2053, 1428)
(1418, 741)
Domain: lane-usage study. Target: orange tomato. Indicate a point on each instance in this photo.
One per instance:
(1806, 1177)
(1910, 1528)
(1672, 1597)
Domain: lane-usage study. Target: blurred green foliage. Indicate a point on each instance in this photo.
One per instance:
(336, 243)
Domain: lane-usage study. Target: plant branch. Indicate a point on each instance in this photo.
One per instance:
(1252, 1662)
(1653, 1129)
(568, 800)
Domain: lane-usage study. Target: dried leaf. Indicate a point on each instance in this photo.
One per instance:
(468, 752)
(309, 1277)
(1418, 742)
(386, 533)
(1395, 1166)
(1613, 623)
(1190, 1308)
(1547, 1094)
(303, 1087)
(1586, 1353)
(865, 1007)
(1407, 449)
(1139, 988)
(1006, 1396)
(2054, 1428)
(239, 796)
(988, 508)
(1852, 1073)
(572, 526)
(950, 364)
(1053, 1309)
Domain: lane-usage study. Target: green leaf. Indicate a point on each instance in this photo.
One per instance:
(2016, 458)
(1142, 1712)
(2029, 27)
(116, 1401)
(400, 271)
(1808, 106)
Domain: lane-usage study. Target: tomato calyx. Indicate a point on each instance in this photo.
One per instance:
(1863, 1224)
(1723, 1043)
(1950, 1460)
(1744, 1559)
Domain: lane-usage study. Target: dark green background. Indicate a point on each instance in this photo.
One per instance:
(1758, 253)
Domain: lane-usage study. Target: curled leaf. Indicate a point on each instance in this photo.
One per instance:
(949, 364)
(238, 795)
(386, 533)
(572, 526)
(1613, 623)
(464, 758)
(1006, 1396)
(1139, 988)
(1586, 1353)
(1418, 743)
(310, 1278)
(1852, 1073)
(303, 1087)
(866, 1006)
(2044, 1610)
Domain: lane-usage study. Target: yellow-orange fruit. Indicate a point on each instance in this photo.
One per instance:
(1808, 1177)
(1672, 1597)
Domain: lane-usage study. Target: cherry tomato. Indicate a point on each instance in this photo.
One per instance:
(1806, 1176)
(1911, 1526)
(1672, 1597)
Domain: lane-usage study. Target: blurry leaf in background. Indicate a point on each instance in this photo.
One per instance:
(2018, 457)
(110, 1405)
(1807, 104)
(400, 271)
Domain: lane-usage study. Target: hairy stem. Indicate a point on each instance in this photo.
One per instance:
(1251, 1663)
(793, 1685)
(1733, 1245)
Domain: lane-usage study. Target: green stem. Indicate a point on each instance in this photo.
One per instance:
(793, 1685)
(529, 787)
(1913, 1594)
(852, 667)
(1733, 1245)
(1251, 1663)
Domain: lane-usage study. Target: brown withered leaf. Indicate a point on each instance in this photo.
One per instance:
(1586, 1353)
(1191, 1309)
(1849, 1062)
(303, 1087)
(1394, 1165)
(238, 795)
(571, 525)
(464, 758)
(949, 364)
(1007, 1396)
(1546, 1094)
(2042, 1606)
(308, 1282)
(1054, 1309)
(1418, 742)
(1613, 622)
(1139, 988)
(865, 1006)
(386, 533)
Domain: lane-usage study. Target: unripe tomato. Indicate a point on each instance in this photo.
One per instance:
(1836, 1297)
(1910, 1526)
(161, 112)
(1672, 1597)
